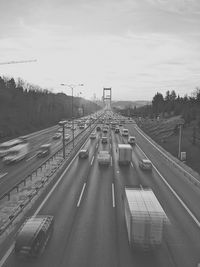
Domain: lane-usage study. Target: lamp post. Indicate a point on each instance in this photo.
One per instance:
(62, 123)
(72, 86)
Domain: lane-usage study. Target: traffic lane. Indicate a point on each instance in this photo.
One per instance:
(125, 257)
(176, 240)
(138, 258)
(62, 204)
(187, 191)
(93, 237)
(16, 171)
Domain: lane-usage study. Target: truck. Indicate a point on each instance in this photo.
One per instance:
(17, 153)
(145, 218)
(104, 157)
(125, 154)
(6, 146)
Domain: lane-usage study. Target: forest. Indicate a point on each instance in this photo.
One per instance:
(25, 108)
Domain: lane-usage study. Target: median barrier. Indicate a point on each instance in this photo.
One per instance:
(46, 179)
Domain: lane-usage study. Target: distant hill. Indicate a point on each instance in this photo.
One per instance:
(131, 104)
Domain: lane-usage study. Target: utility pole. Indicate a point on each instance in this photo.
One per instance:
(179, 142)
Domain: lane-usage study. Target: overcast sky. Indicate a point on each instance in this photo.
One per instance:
(137, 47)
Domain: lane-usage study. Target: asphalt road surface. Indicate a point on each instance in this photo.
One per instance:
(88, 207)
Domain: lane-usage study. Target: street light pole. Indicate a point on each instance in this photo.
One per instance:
(72, 86)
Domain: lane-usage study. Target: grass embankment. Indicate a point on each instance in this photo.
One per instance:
(164, 132)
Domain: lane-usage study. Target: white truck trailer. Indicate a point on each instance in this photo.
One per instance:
(144, 217)
(104, 157)
(125, 153)
(17, 153)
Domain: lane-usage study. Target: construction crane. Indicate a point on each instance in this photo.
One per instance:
(16, 62)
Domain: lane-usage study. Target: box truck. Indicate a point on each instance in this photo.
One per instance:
(144, 218)
(125, 153)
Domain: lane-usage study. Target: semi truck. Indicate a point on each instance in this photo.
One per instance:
(144, 218)
(17, 153)
(125, 154)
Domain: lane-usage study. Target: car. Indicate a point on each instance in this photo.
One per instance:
(83, 153)
(104, 140)
(67, 137)
(57, 136)
(125, 132)
(93, 135)
(105, 130)
(131, 140)
(44, 150)
(33, 236)
(60, 130)
(98, 128)
(145, 164)
(117, 130)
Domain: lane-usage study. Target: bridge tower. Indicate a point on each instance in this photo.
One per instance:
(107, 95)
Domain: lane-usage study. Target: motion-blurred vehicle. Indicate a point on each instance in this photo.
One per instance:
(16, 153)
(6, 146)
(44, 150)
(83, 153)
(33, 236)
(145, 164)
(125, 154)
(67, 137)
(57, 136)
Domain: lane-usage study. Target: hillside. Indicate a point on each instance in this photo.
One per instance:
(130, 104)
(165, 132)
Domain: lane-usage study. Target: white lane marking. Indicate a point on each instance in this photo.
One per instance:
(175, 194)
(110, 146)
(82, 191)
(92, 160)
(3, 174)
(111, 160)
(9, 251)
(97, 145)
(31, 157)
(197, 181)
(131, 164)
(113, 195)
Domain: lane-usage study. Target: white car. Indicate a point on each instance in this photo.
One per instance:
(92, 135)
(131, 140)
(145, 164)
(67, 137)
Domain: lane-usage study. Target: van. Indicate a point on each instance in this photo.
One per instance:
(104, 140)
(34, 235)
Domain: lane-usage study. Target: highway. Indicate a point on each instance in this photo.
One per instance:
(13, 173)
(87, 204)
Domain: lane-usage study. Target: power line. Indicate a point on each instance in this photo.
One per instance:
(16, 62)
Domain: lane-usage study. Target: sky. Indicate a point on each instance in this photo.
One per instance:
(136, 47)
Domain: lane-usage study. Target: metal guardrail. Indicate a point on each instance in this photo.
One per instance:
(41, 176)
(174, 161)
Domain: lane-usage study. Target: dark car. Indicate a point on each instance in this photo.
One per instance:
(44, 150)
(83, 153)
(34, 235)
